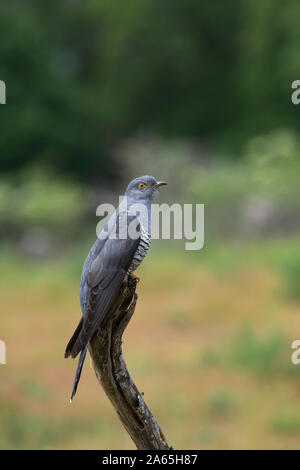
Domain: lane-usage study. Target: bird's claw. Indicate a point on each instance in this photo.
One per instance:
(134, 276)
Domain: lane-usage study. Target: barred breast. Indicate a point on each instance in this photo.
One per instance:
(141, 250)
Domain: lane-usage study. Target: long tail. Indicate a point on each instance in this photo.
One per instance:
(78, 372)
(73, 339)
(68, 352)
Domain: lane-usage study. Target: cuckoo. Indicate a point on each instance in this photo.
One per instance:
(118, 251)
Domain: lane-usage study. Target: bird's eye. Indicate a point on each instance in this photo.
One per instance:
(141, 185)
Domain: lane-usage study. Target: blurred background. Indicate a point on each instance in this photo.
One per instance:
(194, 92)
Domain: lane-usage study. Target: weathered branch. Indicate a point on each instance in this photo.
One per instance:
(111, 371)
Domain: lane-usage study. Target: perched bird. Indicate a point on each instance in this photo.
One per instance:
(119, 250)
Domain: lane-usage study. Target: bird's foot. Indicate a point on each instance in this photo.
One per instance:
(135, 276)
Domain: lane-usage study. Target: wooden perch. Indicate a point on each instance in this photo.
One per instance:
(111, 371)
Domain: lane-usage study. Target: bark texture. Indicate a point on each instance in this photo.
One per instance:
(106, 352)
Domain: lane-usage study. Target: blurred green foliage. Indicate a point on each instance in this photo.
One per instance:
(221, 402)
(259, 195)
(286, 422)
(38, 199)
(83, 75)
(263, 356)
(33, 389)
(290, 268)
(270, 167)
(24, 430)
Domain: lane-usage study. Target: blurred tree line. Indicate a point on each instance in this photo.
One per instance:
(82, 75)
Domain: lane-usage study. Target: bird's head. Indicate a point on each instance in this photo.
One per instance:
(143, 189)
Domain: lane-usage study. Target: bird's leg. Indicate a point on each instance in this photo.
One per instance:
(135, 276)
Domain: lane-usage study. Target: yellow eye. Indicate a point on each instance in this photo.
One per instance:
(141, 185)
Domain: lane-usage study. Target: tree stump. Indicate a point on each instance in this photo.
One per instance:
(111, 371)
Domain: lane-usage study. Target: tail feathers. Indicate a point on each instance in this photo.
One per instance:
(73, 340)
(78, 372)
(80, 342)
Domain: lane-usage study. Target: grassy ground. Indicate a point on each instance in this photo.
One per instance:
(209, 345)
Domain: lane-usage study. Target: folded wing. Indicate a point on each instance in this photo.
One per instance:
(104, 280)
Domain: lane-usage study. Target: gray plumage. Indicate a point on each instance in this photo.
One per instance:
(119, 250)
(142, 249)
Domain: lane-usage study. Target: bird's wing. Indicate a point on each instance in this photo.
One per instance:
(104, 279)
(95, 250)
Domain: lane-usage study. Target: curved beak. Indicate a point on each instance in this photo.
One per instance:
(160, 183)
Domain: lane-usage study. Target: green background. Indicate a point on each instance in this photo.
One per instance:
(196, 93)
